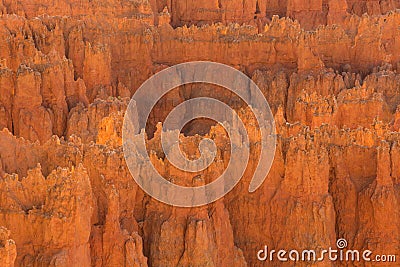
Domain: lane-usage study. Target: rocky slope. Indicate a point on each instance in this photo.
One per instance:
(68, 68)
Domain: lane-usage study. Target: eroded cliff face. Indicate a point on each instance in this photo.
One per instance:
(178, 13)
(67, 197)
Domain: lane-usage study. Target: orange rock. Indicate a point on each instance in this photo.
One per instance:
(68, 68)
(50, 214)
(8, 251)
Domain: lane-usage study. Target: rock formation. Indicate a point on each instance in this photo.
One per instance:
(329, 70)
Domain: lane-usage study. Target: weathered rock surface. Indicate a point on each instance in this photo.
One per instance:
(68, 69)
(8, 250)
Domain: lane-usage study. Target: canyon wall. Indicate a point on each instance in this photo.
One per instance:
(309, 13)
(68, 69)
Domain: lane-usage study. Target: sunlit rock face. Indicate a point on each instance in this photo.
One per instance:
(329, 70)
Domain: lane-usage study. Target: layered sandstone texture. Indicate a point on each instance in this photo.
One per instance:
(328, 68)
